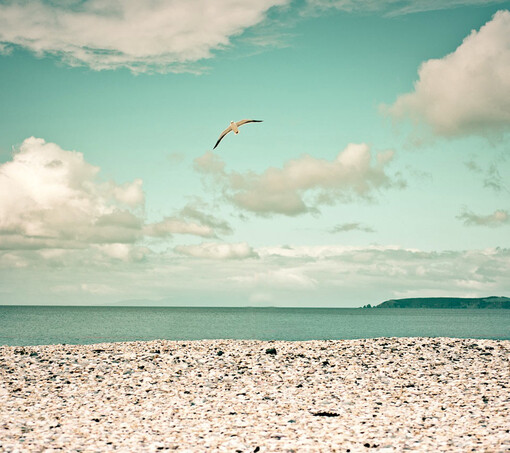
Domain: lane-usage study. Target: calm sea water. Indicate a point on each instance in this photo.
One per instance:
(32, 325)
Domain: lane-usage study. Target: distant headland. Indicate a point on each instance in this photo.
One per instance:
(446, 302)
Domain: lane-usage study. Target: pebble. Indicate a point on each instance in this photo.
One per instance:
(386, 394)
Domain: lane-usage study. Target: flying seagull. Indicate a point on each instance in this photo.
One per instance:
(234, 126)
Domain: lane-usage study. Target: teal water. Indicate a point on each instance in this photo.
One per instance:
(32, 325)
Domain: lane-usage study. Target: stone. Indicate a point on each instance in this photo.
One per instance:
(131, 398)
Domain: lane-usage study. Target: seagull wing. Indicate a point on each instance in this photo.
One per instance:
(225, 132)
(240, 123)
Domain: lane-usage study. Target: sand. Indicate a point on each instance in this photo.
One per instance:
(387, 394)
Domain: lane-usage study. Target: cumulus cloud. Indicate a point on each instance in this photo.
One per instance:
(173, 225)
(496, 219)
(219, 226)
(50, 197)
(53, 198)
(352, 226)
(468, 91)
(189, 220)
(130, 194)
(217, 251)
(123, 252)
(303, 184)
(395, 7)
(107, 34)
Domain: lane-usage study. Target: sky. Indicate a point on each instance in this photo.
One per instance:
(381, 169)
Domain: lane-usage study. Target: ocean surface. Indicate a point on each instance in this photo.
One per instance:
(33, 325)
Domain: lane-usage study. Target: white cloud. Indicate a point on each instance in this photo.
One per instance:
(217, 251)
(189, 220)
(395, 7)
(98, 289)
(210, 163)
(261, 298)
(218, 225)
(326, 251)
(130, 194)
(107, 34)
(303, 184)
(86, 288)
(351, 226)
(53, 198)
(496, 219)
(173, 225)
(123, 252)
(279, 278)
(468, 91)
(50, 197)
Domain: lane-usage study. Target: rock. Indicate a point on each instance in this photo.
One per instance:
(72, 398)
(326, 414)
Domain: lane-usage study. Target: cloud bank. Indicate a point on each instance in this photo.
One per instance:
(468, 91)
(234, 274)
(141, 36)
(305, 183)
(395, 269)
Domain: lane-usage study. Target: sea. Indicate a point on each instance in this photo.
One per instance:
(37, 325)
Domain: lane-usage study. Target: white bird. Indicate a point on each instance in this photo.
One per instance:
(234, 126)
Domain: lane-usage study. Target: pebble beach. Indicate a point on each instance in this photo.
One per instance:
(385, 394)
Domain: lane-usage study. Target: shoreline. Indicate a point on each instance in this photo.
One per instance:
(378, 394)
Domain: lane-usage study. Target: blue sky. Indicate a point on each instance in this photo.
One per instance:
(381, 168)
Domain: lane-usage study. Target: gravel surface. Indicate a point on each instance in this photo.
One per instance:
(386, 394)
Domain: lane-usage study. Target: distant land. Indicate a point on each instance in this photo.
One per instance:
(446, 302)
